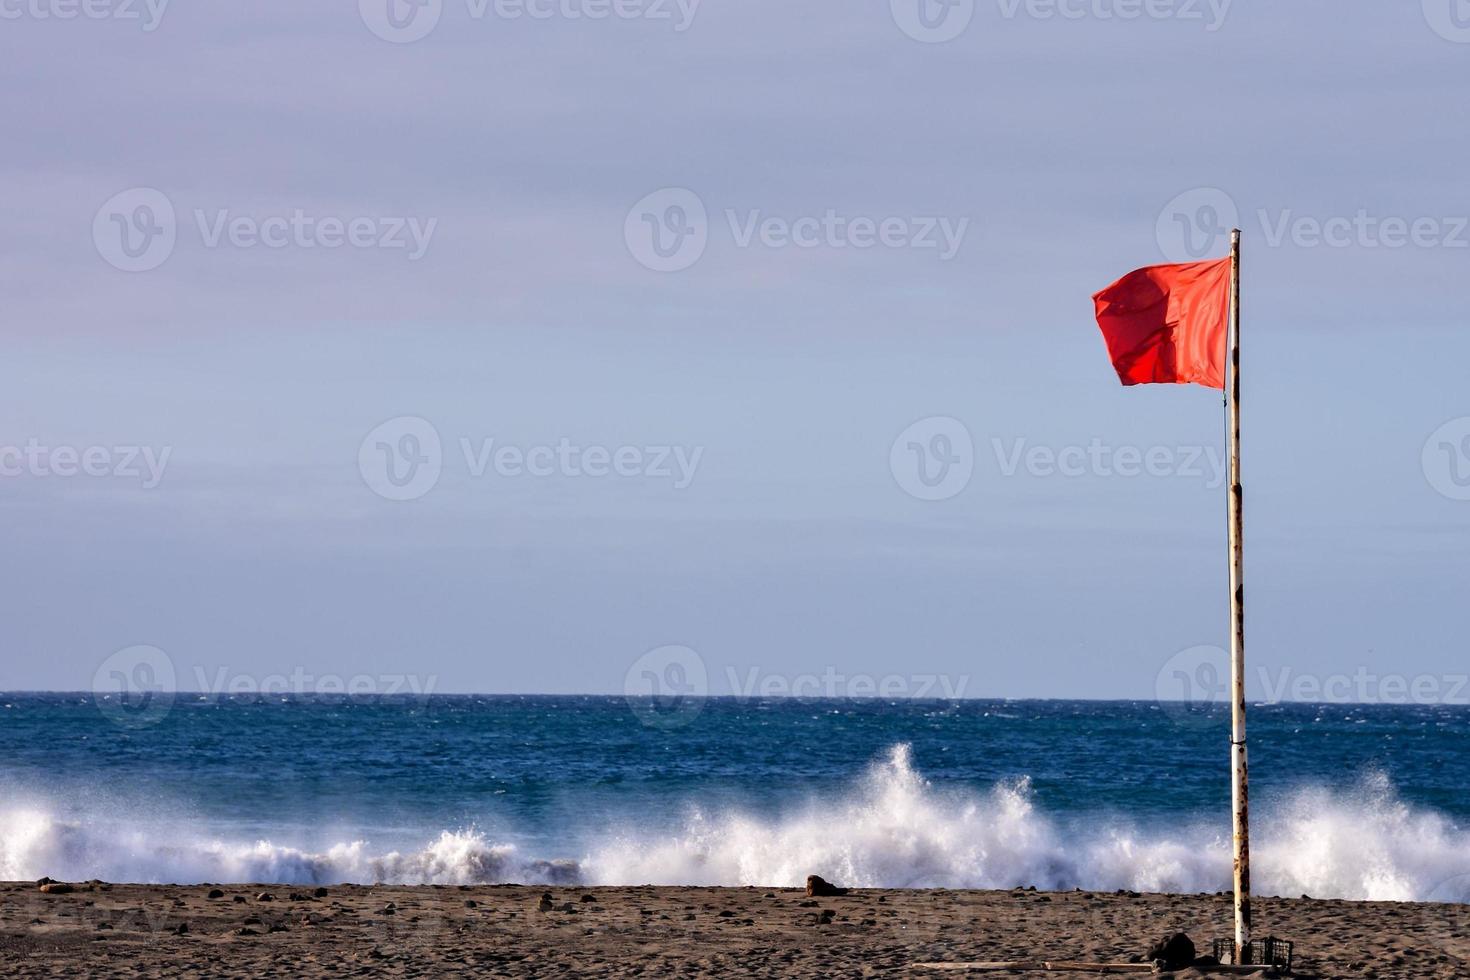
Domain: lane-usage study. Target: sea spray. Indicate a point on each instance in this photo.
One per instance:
(892, 829)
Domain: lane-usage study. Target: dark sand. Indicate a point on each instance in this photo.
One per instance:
(132, 931)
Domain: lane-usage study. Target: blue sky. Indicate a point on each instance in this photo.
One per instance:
(334, 227)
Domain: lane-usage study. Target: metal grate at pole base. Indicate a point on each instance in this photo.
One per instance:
(1262, 952)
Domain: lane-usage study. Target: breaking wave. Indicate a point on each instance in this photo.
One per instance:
(894, 829)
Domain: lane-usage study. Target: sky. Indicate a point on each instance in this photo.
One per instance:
(635, 346)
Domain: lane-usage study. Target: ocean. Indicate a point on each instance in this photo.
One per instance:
(1349, 801)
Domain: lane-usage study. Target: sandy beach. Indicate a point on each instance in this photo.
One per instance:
(101, 930)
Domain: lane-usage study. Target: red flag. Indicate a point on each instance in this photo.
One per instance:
(1168, 324)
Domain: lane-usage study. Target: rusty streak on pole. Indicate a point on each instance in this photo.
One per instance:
(1239, 795)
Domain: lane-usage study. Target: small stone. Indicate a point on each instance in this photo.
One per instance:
(320, 893)
(216, 893)
(545, 904)
(265, 897)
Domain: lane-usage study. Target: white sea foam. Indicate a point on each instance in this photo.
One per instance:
(894, 829)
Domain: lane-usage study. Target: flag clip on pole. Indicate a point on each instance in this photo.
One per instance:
(1239, 795)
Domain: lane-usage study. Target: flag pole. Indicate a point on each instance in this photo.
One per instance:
(1239, 796)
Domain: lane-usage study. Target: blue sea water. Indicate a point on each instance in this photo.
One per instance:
(1349, 801)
